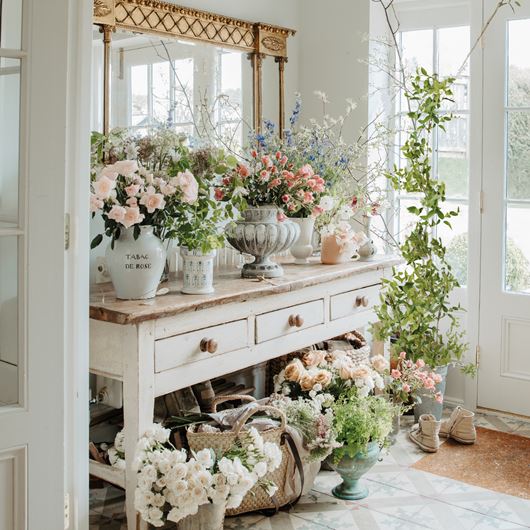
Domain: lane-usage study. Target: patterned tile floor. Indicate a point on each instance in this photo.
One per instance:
(400, 498)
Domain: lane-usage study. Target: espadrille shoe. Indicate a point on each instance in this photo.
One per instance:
(425, 433)
(460, 426)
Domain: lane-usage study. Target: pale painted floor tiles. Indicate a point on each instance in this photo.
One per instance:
(400, 498)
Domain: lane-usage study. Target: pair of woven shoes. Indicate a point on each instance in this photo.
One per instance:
(460, 427)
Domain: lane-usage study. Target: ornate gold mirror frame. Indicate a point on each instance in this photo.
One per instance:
(169, 20)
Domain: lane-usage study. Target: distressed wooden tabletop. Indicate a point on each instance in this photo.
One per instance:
(229, 288)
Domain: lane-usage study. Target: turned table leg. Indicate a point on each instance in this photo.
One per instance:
(138, 406)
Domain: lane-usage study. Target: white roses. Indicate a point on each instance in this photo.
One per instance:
(170, 486)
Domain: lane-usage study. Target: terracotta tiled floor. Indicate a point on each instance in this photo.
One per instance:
(400, 498)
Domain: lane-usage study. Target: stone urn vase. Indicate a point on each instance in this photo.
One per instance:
(136, 265)
(351, 470)
(261, 235)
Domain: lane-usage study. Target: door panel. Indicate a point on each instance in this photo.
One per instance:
(504, 373)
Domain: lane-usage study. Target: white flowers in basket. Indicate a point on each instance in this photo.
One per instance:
(172, 486)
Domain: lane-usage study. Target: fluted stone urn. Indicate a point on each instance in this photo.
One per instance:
(261, 235)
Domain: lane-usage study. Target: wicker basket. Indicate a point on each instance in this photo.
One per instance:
(257, 498)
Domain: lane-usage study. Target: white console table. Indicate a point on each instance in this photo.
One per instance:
(173, 341)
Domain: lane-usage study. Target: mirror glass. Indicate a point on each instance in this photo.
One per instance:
(196, 88)
(10, 24)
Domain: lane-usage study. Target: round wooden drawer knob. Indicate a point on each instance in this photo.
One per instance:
(361, 301)
(296, 321)
(209, 345)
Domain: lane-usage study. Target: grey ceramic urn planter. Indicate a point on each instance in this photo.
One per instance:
(261, 235)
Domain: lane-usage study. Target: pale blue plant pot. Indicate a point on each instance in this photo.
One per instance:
(351, 470)
(428, 404)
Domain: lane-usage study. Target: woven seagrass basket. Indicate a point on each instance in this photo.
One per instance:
(257, 498)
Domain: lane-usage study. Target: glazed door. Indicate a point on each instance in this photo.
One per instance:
(504, 337)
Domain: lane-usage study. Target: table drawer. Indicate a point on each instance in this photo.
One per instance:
(201, 344)
(290, 320)
(353, 302)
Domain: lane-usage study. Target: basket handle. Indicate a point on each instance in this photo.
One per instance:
(232, 397)
(273, 411)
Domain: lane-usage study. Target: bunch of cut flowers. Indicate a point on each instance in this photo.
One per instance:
(407, 379)
(269, 178)
(172, 485)
(312, 420)
(331, 373)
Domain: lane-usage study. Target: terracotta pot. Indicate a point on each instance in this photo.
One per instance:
(333, 253)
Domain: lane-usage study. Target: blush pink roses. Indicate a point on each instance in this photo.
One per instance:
(127, 195)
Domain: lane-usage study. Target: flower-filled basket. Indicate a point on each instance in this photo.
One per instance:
(259, 497)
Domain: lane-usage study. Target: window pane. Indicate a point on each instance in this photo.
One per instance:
(517, 249)
(518, 170)
(456, 240)
(184, 100)
(8, 320)
(519, 63)
(10, 24)
(417, 49)
(453, 160)
(406, 219)
(161, 89)
(9, 141)
(453, 48)
(139, 99)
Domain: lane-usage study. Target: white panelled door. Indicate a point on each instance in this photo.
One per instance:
(504, 374)
(35, 64)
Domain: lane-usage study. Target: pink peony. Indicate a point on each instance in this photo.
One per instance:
(274, 183)
(402, 355)
(219, 194)
(428, 383)
(437, 378)
(406, 387)
(132, 216)
(420, 363)
(308, 197)
(286, 198)
(132, 190)
(264, 175)
(317, 210)
(187, 183)
(95, 203)
(103, 187)
(153, 201)
(283, 160)
(278, 155)
(117, 213)
(396, 374)
(243, 171)
(126, 167)
(266, 161)
(306, 171)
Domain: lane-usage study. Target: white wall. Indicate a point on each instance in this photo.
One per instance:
(333, 40)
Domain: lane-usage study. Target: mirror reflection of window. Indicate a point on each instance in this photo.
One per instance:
(193, 88)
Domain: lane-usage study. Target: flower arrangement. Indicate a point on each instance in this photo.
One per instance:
(408, 378)
(158, 180)
(172, 486)
(128, 196)
(271, 179)
(314, 423)
(359, 421)
(331, 373)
